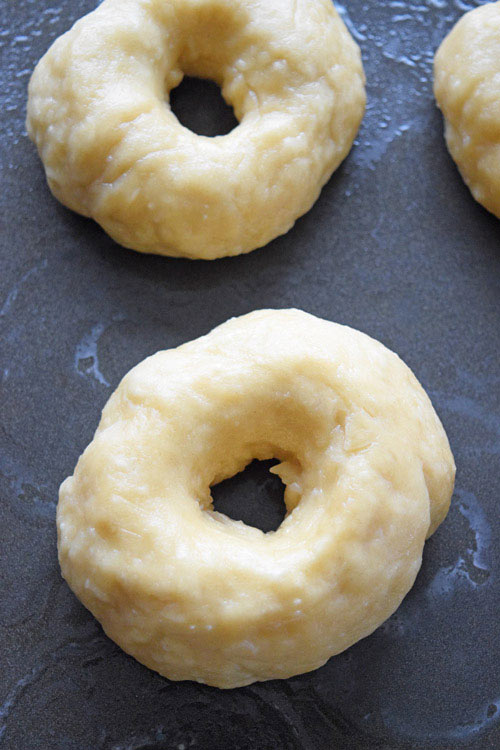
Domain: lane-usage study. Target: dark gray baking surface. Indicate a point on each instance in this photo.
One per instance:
(396, 247)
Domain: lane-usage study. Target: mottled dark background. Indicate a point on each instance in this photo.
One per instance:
(395, 246)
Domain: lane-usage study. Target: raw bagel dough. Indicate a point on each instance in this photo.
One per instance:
(196, 595)
(113, 150)
(467, 89)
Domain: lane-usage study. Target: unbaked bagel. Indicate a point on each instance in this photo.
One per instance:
(196, 595)
(467, 89)
(99, 113)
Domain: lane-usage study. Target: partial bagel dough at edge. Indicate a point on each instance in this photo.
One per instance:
(196, 595)
(98, 112)
(467, 90)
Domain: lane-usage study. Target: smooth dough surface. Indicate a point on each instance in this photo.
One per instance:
(467, 89)
(98, 111)
(196, 595)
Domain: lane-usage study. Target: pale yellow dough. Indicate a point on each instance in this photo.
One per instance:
(467, 89)
(98, 111)
(195, 595)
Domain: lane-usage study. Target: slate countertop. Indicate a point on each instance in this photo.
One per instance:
(396, 247)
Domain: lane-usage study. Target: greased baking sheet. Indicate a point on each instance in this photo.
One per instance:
(395, 246)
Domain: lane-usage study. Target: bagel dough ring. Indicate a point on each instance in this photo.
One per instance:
(98, 111)
(196, 595)
(467, 90)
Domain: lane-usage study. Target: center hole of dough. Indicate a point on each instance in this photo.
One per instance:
(254, 496)
(198, 105)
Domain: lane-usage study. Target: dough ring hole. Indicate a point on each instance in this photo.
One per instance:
(199, 106)
(254, 496)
